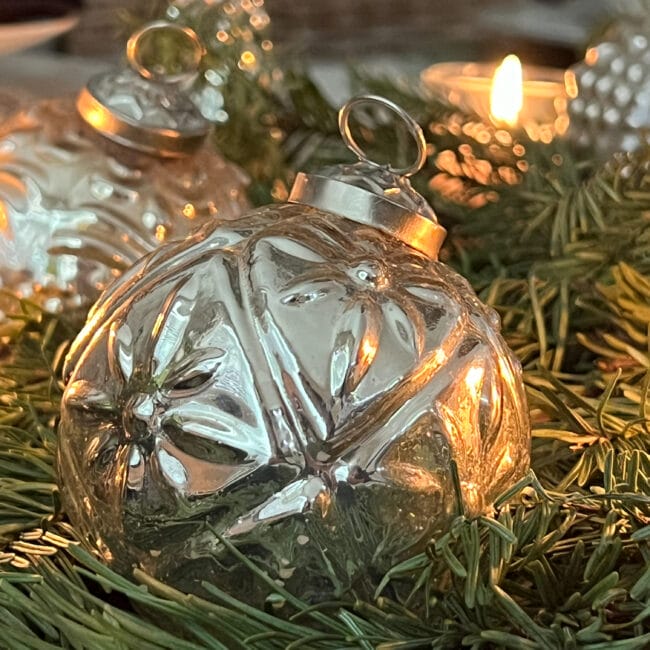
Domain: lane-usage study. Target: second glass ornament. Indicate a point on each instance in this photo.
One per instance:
(87, 189)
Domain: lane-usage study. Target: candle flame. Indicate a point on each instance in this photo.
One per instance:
(507, 93)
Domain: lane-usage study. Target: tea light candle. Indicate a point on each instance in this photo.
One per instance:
(533, 98)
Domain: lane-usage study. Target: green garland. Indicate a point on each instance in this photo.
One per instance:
(564, 562)
(564, 256)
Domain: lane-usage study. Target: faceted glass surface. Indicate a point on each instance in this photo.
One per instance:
(77, 210)
(297, 384)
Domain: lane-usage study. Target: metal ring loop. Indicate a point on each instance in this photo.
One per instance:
(134, 43)
(412, 126)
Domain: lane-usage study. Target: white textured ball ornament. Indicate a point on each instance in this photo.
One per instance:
(609, 109)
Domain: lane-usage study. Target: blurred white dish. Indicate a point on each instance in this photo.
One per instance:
(21, 35)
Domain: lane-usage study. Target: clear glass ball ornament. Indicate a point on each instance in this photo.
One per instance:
(298, 383)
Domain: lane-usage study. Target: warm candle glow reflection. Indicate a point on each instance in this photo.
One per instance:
(4, 220)
(507, 92)
(368, 351)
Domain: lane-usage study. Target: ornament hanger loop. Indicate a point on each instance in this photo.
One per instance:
(412, 126)
(187, 39)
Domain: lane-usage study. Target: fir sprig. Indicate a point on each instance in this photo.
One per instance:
(563, 563)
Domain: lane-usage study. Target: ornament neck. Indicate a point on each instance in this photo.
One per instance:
(376, 195)
(363, 206)
(144, 108)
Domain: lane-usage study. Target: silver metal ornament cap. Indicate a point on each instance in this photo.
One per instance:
(372, 193)
(144, 107)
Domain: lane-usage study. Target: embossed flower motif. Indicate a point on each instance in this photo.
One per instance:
(376, 349)
(343, 322)
(163, 414)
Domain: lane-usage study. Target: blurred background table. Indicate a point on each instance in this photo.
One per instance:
(407, 35)
(342, 28)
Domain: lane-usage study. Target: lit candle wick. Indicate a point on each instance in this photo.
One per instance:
(507, 91)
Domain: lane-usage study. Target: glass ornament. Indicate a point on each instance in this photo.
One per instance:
(88, 187)
(299, 383)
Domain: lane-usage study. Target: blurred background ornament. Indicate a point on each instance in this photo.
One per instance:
(301, 383)
(609, 107)
(87, 190)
